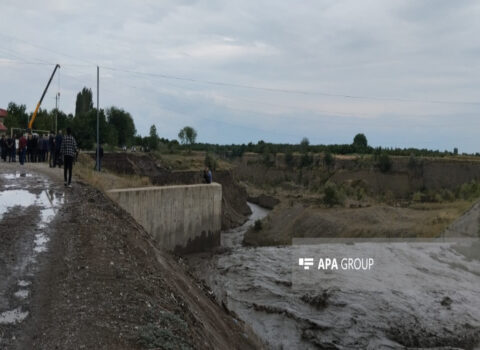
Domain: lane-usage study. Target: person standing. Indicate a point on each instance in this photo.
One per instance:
(68, 149)
(22, 149)
(99, 158)
(207, 175)
(58, 145)
(51, 148)
(11, 149)
(3, 146)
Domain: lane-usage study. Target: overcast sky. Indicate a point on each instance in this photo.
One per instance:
(404, 72)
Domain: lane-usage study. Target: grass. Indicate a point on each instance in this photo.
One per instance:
(193, 161)
(104, 181)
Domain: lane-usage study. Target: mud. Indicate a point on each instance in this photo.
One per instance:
(421, 295)
(99, 282)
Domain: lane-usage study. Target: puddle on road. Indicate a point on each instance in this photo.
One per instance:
(13, 316)
(49, 202)
(16, 175)
(23, 283)
(22, 294)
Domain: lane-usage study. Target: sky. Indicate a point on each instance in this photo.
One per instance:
(403, 72)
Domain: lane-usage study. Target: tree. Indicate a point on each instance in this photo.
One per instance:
(360, 142)
(187, 135)
(84, 102)
(84, 128)
(153, 139)
(123, 122)
(304, 144)
(17, 116)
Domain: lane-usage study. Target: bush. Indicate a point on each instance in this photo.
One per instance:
(306, 160)
(258, 225)
(418, 197)
(384, 162)
(328, 160)
(210, 162)
(289, 159)
(331, 195)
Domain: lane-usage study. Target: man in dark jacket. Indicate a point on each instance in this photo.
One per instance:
(98, 159)
(51, 149)
(3, 146)
(22, 149)
(11, 149)
(68, 150)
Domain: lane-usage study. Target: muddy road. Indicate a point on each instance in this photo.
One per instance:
(76, 272)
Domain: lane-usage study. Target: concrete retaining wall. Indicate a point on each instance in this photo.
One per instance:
(183, 218)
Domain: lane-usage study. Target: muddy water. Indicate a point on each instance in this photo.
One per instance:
(418, 294)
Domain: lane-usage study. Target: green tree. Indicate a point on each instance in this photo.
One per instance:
(360, 142)
(187, 135)
(84, 128)
(153, 139)
(124, 125)
(84, 102)
(17, 116)
(304, 144)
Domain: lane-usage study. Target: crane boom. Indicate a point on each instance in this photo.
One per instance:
(30, 123)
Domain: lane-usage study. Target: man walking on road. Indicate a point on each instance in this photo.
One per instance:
(68, 149)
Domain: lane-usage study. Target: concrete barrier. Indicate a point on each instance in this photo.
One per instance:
(182, 218)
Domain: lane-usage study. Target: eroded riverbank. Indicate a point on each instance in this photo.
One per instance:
(420, 295)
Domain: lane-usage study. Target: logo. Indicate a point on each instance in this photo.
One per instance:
(305, 262)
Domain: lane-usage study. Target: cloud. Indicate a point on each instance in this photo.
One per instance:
(413, 50)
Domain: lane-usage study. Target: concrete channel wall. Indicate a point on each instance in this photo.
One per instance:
(182, 218)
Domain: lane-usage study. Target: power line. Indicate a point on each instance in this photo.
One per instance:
(287, 91)
(245, 86)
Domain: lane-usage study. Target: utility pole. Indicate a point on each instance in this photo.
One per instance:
(98, 120)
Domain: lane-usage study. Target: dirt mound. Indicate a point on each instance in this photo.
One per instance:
(234, 197)
(104, 285)
(264, 201)
(302, 220)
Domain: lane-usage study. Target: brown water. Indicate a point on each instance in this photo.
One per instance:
(418, 295)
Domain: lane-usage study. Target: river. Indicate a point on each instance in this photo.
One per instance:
(418, 294)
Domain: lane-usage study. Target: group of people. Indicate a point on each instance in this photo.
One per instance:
(57, 149)
(32, 148)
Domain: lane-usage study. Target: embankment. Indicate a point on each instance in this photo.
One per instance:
(405, 176)
(234, 196)
(416, 197)
(181, 218)
(103, 284)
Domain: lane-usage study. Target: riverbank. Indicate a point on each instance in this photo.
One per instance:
(103, 283)
(418, 295)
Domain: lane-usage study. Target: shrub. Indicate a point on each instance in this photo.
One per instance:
(331, 195)
(384, 162)
(306, 160)
(418, 197)
(328, 160)
(258, 225)
(210, 162)
(289, 159)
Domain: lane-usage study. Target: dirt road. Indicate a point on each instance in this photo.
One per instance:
(77, 273)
